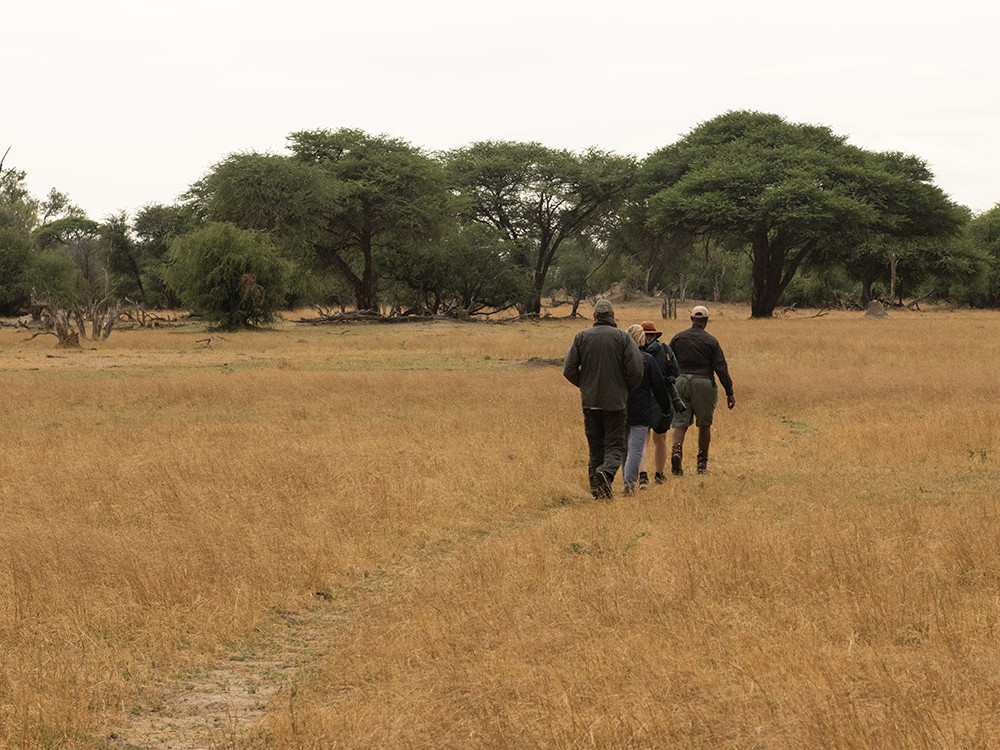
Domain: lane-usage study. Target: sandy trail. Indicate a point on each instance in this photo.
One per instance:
(221, 706)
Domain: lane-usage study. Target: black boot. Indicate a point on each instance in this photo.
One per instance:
(659, 478)
(600, 485)
(676, 456)
(643, 480)
(702, 462)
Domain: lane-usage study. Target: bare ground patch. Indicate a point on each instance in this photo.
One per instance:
(221, 706)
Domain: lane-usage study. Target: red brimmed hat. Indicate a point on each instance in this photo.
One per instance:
(650, 328)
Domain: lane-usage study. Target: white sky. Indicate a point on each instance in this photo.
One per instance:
(120, 103)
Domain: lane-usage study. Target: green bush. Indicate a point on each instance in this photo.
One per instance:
(15, 252)
(53, 272)
(234, 277)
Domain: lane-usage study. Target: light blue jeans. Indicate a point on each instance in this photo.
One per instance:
(633, 455)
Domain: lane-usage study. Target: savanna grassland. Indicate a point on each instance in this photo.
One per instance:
(388, 530)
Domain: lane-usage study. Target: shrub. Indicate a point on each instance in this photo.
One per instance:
(234, 277)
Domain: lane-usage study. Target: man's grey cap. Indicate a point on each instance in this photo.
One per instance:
(604, 307)
(700, 311)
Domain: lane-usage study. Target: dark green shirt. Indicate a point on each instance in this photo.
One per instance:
(698, 353)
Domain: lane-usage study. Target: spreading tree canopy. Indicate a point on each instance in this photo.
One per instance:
(792, 193)
(538, 198)
(342, 197)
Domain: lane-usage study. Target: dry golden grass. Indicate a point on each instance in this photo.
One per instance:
(833, 582)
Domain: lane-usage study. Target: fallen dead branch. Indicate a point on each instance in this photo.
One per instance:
(372, 316)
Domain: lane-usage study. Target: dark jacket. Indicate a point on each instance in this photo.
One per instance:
(698, 353)
(643, 402)
(605, 364)
(665, 358)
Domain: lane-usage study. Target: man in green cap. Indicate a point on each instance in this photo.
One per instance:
(605, 364)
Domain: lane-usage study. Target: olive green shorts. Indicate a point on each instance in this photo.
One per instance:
(701, 395)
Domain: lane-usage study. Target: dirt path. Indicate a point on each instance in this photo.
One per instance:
(219, 707)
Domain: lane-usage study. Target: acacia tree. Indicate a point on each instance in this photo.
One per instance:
(656, 252)
(15, 256)
(155, 227)
(791, 193)
(984, 234)
(464, 273)
(79, 238)
(51, 259)
(17, 217)
(122, 254)
(342, 198)
(388, 195)
(538, 198)
(17, 204)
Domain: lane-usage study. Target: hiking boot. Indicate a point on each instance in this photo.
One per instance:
(643, 480)
(676, 456)
(602, 486)
(703, 462)
(630, 490)
(659, 477)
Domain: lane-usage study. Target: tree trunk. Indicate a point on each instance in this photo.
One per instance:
(719, 278)
(768, 264)
(893, 264)
(762, 304)
(533, 304)
(866, 288)
(366, 291)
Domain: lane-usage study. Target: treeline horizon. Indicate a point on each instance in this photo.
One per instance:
(747, 207)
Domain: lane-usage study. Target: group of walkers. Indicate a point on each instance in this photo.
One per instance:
(635, 389)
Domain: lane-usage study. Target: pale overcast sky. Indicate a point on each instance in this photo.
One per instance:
(120, 103)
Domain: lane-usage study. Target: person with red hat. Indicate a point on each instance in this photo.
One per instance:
(663, 355)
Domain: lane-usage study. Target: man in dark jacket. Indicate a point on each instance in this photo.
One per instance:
(700, 359)
(605, 364)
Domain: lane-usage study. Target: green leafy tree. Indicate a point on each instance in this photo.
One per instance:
(588, 265)
(659, 254)
(464, 273)
(52, 273)
(124, 262)
(57, 205)
(984, 229)
(79, 238)
(574, 271)
(984, 234)
(234, 277)
(15, 256)
(479, 274)
(16, 203)
(388, 195)
(18, 216)
(343, 198)
(47, 247)
(155, 227)
(792, 193)
(538, 198)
